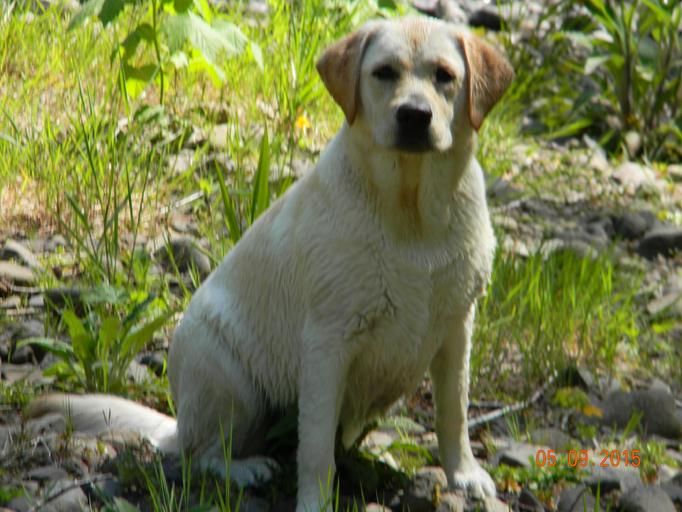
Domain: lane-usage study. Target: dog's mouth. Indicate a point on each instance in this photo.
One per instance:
(413, 144)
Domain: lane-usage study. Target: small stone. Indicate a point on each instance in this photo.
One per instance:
(181, 162)
(217, 137)
(14, 250)
(451, 502)
(657, 408)
(108, 488)
(646, 498)
(376, 507)
(530, 502)
(55, 242)
(11, 302)
(663, 241)
(491, 504)
(674, 492)
(47, 473)
(17, 274)
(12, 373)
(422, 492)
(553, 437)
(518, 455)
(185, 256)
(156, 361)
(487, 17)
(577, 499)
(633, 225)
(633, 175)
(67, 497)
(633, 143)
(610, 478)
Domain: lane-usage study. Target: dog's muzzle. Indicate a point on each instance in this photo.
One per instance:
(414, 120)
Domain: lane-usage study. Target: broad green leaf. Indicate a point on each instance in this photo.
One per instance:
(108, 333)
(234, 37)
(83, 342)
(204, 8)
(143, 32)
(54, 346)
(401, 423)
(105, 294)
(595, 62)
(110, 10)
(88, 9)
(261, 191)
(137, 78)
(189, 27)
(181, 6)
(136, 341)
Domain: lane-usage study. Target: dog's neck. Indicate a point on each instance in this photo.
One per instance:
(414, 199)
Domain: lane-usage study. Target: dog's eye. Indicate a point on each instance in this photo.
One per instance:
(385, 73)
(443, 76)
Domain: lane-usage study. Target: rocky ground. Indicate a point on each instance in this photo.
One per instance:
(555, 197)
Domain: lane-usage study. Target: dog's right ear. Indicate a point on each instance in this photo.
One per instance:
(339, 68)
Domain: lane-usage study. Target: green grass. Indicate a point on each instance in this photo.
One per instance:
(543, 314)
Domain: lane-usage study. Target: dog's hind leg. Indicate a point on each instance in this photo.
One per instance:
(219, 409)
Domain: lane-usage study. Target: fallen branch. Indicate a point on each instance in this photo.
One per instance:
(59, 492)
(508, 409)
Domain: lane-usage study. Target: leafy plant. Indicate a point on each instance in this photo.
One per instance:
(103, 345)
(637, 60)
(181, 34)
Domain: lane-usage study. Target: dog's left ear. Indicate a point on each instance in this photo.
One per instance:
(488, 76)
(339, 68)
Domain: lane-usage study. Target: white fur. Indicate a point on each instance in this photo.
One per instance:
(359, 279)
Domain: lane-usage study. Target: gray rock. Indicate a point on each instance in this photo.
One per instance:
(217, 137)
(633, 175)
(663, 241)
(486, 16)
(11, 302)
(674, 492)
(518, 455)
(451, 502)
(12, 373)
(49, 423)
(67, 498)
(576, 499)
(47, 473)
(106, 488)
(13, 250)
(646, 499)
(552, 437)
(155, 361)
(16, 274)
(633, 225)
(657, 408)
(421, 494)
(22, 331)
(55, 242)
(610, 478)
(181, 162)
(488, 504)
(59, 298)
(22, 503)
(183, 253)
(529, 502)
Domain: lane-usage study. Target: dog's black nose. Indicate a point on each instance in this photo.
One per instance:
(414, 119)
(414, 116)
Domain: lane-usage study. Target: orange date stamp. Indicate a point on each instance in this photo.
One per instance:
(584, 458)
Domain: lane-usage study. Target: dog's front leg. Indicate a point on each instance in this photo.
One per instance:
(320, 394)
(450, 376)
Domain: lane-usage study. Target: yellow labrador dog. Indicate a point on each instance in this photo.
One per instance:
(359, 279)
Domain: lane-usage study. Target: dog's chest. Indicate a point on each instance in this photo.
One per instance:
(401, 333)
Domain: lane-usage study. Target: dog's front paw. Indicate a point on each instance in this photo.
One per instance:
(252, 471)
(474, 480)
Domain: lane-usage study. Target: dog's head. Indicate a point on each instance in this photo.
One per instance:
(407, 81)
